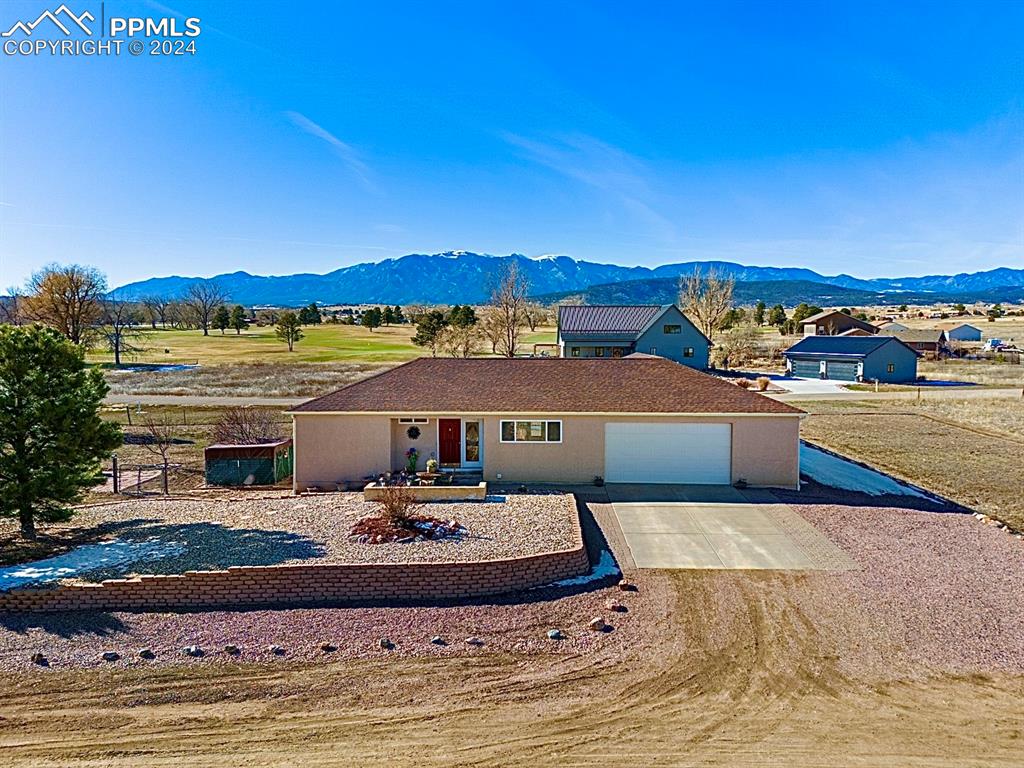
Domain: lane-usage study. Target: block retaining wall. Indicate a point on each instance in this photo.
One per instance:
(308, 585)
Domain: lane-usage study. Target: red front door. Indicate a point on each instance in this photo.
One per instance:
(450, 437)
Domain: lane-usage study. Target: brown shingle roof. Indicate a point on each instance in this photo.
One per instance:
(544, 385)
(916, 336)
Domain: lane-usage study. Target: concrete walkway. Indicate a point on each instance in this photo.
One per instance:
(718, 527)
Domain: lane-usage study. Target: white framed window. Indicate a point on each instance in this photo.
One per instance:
(654, 350)
(574, 352)
(598, 351)
(412, 420)
(890, 368)
(687, 351)
(671, 329)
(531, 431)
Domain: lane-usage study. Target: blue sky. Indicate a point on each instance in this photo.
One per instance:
(874, 139)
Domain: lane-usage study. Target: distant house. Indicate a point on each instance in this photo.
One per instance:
(855, 332)
(961, 332)
(832, 322)
(613, 331)
(852, 358)
(929, 342)
(893, 326)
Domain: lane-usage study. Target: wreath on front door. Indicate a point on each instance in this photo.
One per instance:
(413, 432)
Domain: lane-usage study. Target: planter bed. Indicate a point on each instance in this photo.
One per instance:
(424, 493)
(213, 534)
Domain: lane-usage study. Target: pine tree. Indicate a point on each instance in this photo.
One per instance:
(221, 319)
(289, 329)
(759, 313)
(239, 321)
(372, 318)
(50, 426)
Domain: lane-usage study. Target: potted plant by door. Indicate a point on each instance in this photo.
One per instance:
(412, 457)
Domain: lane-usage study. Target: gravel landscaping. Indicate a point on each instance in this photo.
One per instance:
(942, 590)
(515, 624)
(212, 534)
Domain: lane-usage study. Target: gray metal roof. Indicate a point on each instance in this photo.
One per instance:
(846, 346)
(608, 318)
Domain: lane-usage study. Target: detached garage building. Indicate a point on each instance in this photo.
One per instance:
(852, 358)
(631, 420)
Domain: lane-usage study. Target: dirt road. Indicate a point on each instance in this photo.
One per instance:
(735, 669)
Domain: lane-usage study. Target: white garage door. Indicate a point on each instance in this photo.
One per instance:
(667, 453)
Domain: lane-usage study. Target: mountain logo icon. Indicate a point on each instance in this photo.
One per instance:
(56, 16)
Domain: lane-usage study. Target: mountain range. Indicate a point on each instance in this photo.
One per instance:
(665, 290)
(464, 277)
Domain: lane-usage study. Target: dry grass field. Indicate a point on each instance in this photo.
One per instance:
(985, 372)
(966, 450)
(254, 379)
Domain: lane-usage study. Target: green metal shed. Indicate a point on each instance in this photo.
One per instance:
(259, 464)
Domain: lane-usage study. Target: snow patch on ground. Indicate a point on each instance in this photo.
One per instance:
(86, 558)
(605, 567)
(837, 472)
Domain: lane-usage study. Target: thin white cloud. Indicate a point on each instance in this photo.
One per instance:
(602, 166)
(348, 155)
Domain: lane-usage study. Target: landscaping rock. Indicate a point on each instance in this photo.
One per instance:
(110, 656)
(438, 640)
(627, 586)
(192, 650)
(146, 653)
(277, 650)
(38, 658)
(385, 644)
(611, 605)
(597, 624)
(555, 634)
(471, 640)
(328, 647)
(232, 650)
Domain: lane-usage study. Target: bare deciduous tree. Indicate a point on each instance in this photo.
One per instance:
(738, 345)
(246, 426)
(119, 329)
(509, 300)
(492, 328)
(12, 307)
(67, 298)
(156, 310)
(160, 438)
(535, 315)
(202, 299)
(707, 299)
(460, 340)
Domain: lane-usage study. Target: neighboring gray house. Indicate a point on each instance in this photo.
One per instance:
(618, 330)
(961, 332)
(852, 358)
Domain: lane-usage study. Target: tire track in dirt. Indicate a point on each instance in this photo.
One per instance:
(732, 670)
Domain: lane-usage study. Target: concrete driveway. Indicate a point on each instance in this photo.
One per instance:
(718, 527)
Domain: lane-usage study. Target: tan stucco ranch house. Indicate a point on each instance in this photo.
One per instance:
(638, 419)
